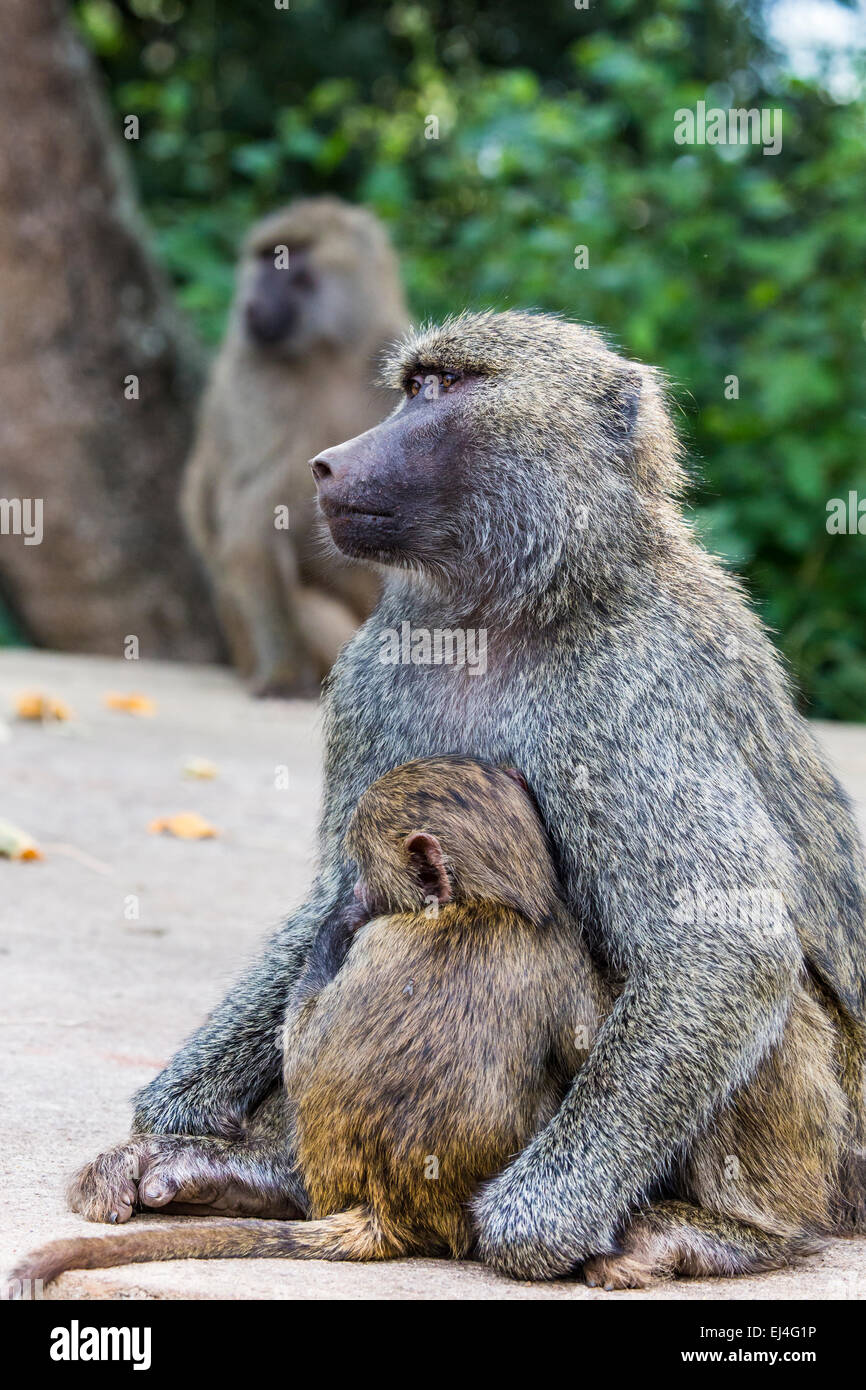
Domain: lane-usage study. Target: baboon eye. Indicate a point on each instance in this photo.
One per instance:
(413, 387)
(449, 378)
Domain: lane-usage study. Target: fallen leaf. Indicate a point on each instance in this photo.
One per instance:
(200, 768)
(17, 844)
(133, 703)
(32, 704)
(187, 825)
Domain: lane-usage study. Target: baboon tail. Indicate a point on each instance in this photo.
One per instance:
(349, 1235)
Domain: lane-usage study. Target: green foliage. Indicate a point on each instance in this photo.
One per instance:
(10, 633)
(556, 131)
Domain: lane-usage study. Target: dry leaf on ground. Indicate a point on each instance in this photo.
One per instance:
(202, 769)
(132, 703)
(17, 844)
(187, 825)
(33, 704)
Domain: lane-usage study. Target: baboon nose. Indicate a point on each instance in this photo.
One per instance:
(341, 469)
(320, 469)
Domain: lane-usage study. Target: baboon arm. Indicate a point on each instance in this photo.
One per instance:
(707, 991)
(655, 1075)
(231, 1062)
(208, 460)
(196, 504)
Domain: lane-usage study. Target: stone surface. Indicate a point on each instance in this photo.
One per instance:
(94, 999)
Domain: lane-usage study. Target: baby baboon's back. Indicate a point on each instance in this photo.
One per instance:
(428, 1062)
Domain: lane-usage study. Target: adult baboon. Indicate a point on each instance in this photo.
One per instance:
(318, 297)
(528, 484)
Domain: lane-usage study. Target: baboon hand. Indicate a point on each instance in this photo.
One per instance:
(526, 1220)
(149, 1170)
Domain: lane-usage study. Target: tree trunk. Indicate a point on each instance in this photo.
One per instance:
(82, 309)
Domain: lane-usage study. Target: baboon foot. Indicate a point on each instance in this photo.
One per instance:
(679, 1239)
(178, 1173)
(617, 1272)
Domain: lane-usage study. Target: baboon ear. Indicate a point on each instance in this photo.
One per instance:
(517, 777)
(427, 865)
(621, 401)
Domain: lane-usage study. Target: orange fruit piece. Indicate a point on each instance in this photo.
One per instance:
(133, 703)
(32, 704)
(186, 825)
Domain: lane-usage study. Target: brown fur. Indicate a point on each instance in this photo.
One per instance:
(287, 602)
(388, 1095)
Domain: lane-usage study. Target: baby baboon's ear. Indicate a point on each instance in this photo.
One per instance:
(427, 865)
(516, 776)
(621, 402)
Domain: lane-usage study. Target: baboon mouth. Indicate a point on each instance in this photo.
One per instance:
(338, 513)
(360, 533)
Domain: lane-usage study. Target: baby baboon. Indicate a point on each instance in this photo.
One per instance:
(529, 484)
(318, 297)
(430, 1037)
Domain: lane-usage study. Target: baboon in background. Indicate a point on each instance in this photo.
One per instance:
(296, 372)
(400, 1054)
(529, 484)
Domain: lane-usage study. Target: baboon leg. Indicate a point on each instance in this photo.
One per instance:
(253, 1175)
(758, 1184)
(188, 1173)
(359, 589)
(261, 617)
(284, 665)
(679, 1238)
(235, 630)
(326, 617)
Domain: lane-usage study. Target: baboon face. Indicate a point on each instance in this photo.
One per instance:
(392, 494)
(525, 456)
(279, 298)
(306, 278)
